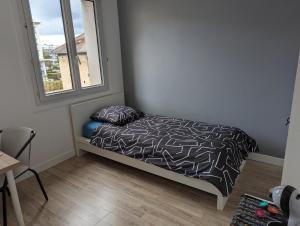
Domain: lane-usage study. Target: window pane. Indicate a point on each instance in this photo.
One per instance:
(52, 50)
(84, 22)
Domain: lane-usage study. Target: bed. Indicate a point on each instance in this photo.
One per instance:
(205, 156)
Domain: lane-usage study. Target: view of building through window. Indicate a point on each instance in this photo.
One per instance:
(52, 49)
(83, 13)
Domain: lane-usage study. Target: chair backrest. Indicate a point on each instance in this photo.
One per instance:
(14, 141)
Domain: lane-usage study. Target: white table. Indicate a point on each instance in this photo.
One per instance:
(7, 165)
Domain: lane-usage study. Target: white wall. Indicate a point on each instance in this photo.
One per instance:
(17, 105)
(292, 156)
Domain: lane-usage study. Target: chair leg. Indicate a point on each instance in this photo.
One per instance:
(21, 174)
(4, 208)
(40, 183)
(8, 191)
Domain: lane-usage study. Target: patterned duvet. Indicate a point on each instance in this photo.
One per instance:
(194, 149)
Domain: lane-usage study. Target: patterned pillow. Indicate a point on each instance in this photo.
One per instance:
(117, 115)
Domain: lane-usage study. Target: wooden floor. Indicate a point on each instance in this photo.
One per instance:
(91, 190)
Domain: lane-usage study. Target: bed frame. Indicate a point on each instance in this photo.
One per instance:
(80, 113)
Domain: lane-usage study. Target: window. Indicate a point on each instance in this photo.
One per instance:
(66, 46)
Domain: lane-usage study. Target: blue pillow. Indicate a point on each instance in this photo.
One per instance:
(89, 128)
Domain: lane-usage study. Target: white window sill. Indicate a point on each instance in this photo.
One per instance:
(69, 101)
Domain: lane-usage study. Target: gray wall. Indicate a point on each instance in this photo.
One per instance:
(232, 62)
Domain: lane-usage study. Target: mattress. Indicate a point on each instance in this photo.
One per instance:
(210, 152)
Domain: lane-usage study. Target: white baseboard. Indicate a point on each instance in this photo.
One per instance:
(49, 163)
(266, 159)
(54, 161)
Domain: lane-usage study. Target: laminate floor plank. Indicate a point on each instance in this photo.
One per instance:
(93, 191)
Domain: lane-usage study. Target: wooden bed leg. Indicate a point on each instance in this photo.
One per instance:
(78, 151)
(221, 202)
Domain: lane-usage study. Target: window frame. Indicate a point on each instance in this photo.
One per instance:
(41, 96)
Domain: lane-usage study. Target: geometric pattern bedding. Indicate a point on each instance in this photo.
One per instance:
(117, 115)
(194, 149)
